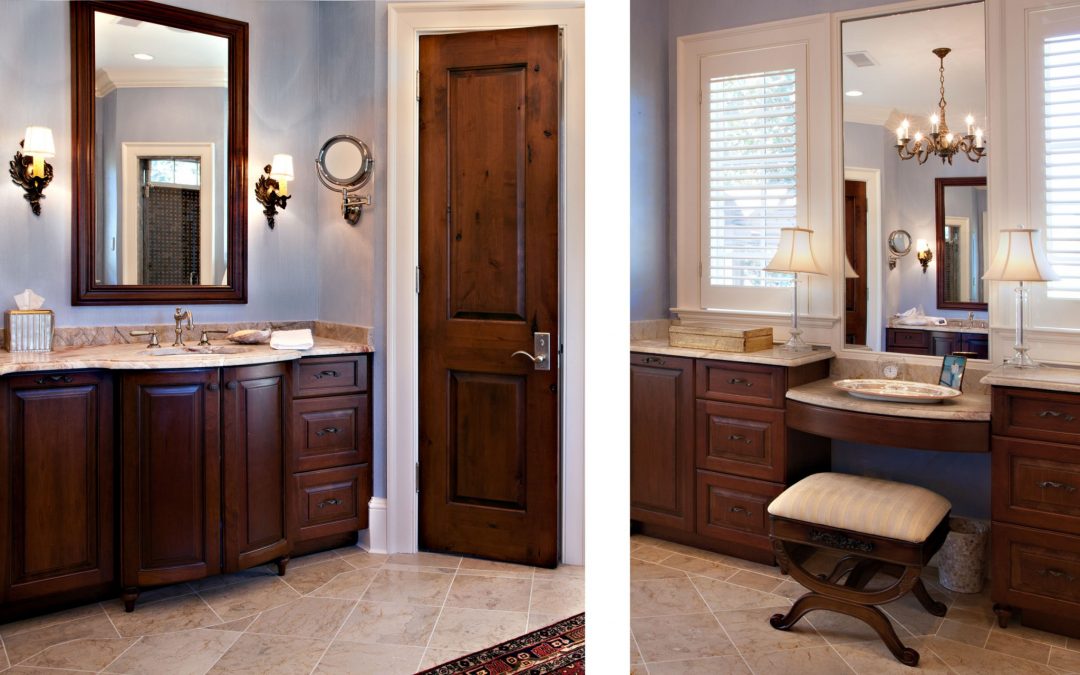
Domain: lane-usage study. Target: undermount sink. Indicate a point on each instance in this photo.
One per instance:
(196, 349)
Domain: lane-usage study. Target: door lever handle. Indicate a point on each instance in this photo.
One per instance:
(542, 349)
(534, 359)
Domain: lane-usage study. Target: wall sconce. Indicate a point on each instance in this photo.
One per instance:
(924, 254)
(272, 190)
(29, 170)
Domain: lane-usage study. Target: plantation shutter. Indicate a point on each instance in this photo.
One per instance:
(1061, 127)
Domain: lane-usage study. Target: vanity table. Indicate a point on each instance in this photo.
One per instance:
(123, 467)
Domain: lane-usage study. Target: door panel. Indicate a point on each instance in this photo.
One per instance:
(855, 243)
(489, 230)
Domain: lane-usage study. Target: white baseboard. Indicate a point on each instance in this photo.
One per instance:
(373, 539)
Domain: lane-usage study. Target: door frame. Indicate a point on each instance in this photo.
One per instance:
(407, 21)
(874, 255)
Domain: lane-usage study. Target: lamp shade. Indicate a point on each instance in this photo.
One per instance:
(1020, 257)
(794, 254)
(281, 167)
(849, 271)
(38, 142)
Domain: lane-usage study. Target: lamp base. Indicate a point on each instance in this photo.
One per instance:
(1020, 359)
(795, 342)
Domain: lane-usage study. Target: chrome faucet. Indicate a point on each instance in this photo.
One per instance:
(179, 317)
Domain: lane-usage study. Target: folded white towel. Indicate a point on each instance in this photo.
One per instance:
(292, 339)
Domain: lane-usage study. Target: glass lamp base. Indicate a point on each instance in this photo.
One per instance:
(795, 342)
(1020, 359)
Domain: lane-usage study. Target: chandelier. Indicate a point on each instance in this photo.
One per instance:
(941, 141)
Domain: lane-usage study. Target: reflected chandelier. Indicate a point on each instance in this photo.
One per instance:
(941, 141)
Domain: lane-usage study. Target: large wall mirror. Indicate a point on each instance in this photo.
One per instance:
(930, 299)
(160, 138)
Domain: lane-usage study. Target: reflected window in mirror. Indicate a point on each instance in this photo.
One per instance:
(889, 65)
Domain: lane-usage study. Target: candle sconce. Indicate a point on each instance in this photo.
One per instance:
(29, 170)
(924, 254)
(272, 189)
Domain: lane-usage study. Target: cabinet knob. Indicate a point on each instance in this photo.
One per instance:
(213, 386)
(231, 384)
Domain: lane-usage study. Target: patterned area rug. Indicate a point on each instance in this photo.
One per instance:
(557, 649)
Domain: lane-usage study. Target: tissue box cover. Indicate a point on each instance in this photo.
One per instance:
(721, 339)
(28, 330)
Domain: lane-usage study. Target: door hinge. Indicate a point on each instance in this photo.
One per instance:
(418, 477)
(418, 280)
(418, 85)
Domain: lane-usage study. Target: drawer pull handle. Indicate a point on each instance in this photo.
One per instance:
(739, 437)
(212, 386)
(1054, 413)
(739, 509)
(1056, 574)
(53, 379)
(326, 373)
(1057, 486)
(739, 380)
(327, 430)
(333, 501)
(653, 359)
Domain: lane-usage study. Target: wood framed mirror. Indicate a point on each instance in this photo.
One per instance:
(962, 239)
(159, 144)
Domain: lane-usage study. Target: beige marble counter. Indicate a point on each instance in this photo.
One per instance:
(1045, 377)
(964, 408)
(771, 357)
(139, 357)
(951, 328)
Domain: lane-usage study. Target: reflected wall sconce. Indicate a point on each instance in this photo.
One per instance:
(924, 254)
(272, 190)
(29, 170)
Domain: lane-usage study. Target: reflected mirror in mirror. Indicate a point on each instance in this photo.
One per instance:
(962, 234)
(161, 115)
(890, 74)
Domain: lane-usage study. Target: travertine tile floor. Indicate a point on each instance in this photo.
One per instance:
(341, 611)
(693, 611)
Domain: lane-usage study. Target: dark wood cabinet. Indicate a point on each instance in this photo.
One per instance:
(57, 491)
(662, 440)
(255, 475)
(936, 342)
(171, 467)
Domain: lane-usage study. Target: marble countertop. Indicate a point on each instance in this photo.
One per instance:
(946, 329)
(139, 357)
(964, 408)
(771, 357)
(1044, 377)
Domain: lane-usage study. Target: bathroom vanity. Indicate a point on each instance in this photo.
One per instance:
(121, 469)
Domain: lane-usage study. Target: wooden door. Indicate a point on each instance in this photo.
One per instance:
(254, 471)
(56, 480)
(855, 247)
(662, 440)
(171, 492)
(489, 225)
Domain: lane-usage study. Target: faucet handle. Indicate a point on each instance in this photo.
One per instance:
(204, 340)
(153, 337)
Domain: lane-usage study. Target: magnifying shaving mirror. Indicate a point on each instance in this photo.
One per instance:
(345, 164)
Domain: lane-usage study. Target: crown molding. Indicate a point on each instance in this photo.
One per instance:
(107, 81)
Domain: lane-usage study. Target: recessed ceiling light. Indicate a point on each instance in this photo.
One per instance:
(853, 92)
(142, 57)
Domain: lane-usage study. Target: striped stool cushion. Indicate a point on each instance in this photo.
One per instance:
(866, 505)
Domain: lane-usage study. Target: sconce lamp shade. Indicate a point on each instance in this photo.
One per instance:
(849, 271)
(281, 167)
(38, 142)
(795, 254)
(1020, 257)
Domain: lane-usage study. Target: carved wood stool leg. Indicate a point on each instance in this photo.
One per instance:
(806, 603)
(130, 595)
(1004, 614)
(862, 573)
(933, 606)
(877, 620)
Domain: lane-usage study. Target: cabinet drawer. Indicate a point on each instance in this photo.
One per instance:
(1036, 569)
(1040, 484)
(1039, 415)
(727, 503)
(330, 431)
(740, 439)
(332, 501)
(740, 383)
(911, 339)
(331, 375)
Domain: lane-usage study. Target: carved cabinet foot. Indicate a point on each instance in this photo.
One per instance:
(282, 563)
(1004, 614)
(130, 595)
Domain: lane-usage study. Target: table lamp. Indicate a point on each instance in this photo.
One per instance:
(795, 255)
(1020, 258)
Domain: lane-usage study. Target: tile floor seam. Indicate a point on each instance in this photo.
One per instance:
(212, 610)
(528, 607)
(3, 649)
(434, 626)
(111, 622)
(330, 643)
(126, 649)
(841, 656)
(226, 650)
(331, 580)
(722, 627)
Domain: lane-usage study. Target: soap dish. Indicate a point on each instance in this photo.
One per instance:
(250, 337)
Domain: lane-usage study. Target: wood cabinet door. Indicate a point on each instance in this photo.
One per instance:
(171, 493)
(56, 484)
(255, 471)
(662, 440)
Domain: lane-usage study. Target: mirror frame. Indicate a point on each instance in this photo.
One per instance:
(84, 289)
(939, 228)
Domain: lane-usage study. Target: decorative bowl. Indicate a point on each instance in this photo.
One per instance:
(897, 391)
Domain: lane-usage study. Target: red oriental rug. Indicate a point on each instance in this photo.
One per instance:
(556, 649)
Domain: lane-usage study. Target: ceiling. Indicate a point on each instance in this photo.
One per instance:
(904, 81)
(181, 58)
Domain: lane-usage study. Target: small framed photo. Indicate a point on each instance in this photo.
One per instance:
(952, 372)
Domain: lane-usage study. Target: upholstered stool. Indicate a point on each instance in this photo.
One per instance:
(881, 526)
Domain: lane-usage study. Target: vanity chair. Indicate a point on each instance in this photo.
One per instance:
(877, 526)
